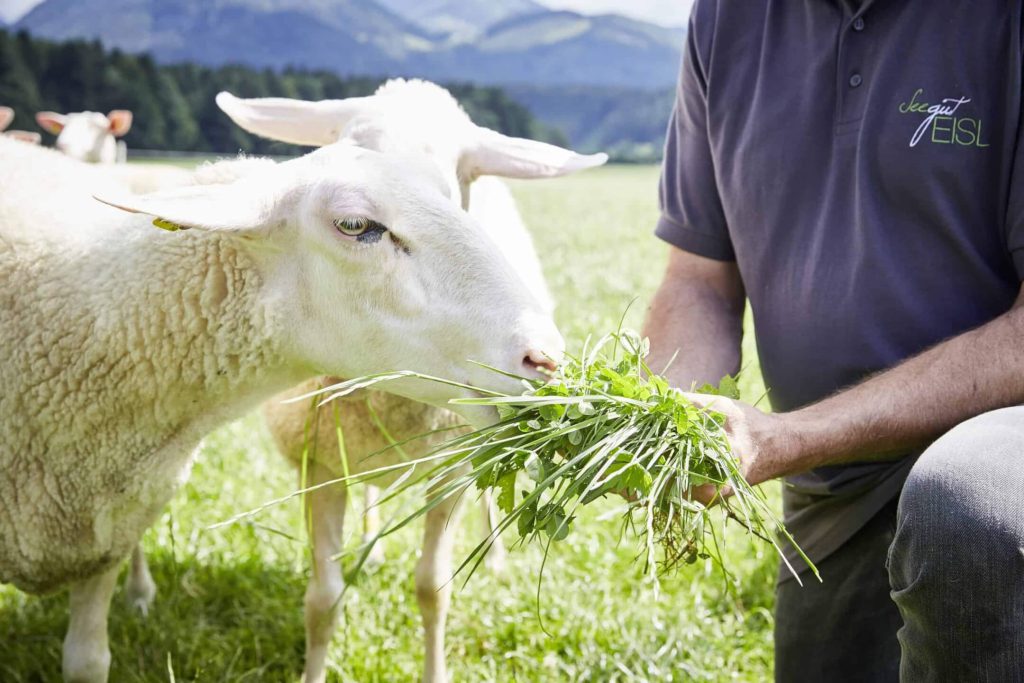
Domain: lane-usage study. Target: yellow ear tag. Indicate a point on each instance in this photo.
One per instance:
(167, 225)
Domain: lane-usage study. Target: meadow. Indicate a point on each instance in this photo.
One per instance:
(229, 599)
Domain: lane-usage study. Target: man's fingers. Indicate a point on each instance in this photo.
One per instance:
(703, 494)
(709, 495)
(705, 401)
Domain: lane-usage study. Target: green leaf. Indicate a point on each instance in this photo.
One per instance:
(638, 479)
(552, 412)
(535, 468)
(682, 420)
(645, 347)
(558, 525)
(506, 412)
(487, 478)
(507, 493)
(524, 523)
(729, 387)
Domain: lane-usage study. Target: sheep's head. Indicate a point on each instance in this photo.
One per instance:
(408, 116)
(372, 268)
(87, 136)
(6, 116)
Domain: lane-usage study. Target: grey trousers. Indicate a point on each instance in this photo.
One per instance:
(932, 590)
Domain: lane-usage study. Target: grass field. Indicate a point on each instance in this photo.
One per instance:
(229, 600)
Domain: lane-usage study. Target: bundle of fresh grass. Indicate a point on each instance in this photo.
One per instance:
(603, 423)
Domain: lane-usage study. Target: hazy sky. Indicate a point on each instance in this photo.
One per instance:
(669, 12)
(12, 9)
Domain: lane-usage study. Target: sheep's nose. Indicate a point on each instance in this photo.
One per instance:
(536, 359)
(544, 349)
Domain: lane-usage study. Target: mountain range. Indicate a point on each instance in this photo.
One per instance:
(459, 20)
(486, 41)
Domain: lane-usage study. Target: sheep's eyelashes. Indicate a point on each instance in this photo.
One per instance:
(361, 229)
(354, 226)
(367, 231)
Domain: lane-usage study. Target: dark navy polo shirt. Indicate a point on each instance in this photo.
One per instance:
(859, 162)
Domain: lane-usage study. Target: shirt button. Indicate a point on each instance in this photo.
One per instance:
(855, 80)
(858, 24)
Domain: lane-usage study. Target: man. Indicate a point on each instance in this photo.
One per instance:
(856, 170)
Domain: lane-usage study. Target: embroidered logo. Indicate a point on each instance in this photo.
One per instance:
(941, 125)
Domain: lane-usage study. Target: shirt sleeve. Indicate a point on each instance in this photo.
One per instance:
(692, 218)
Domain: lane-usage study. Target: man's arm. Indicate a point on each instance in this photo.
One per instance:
(893, 412)
(697, 311)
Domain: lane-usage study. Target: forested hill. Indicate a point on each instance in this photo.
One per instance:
(174, 104)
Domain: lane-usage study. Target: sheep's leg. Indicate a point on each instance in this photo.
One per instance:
(139, 588)
(371, 525)
(433, 584)
(86, 650)
(496, 555)
(326, 515)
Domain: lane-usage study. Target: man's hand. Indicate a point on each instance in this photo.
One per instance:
(758, 439)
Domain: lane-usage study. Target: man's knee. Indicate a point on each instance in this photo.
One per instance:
(967, 486)
(956, 562)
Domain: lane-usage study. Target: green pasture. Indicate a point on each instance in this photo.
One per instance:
(229, 606)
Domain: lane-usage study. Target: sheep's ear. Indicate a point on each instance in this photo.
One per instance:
(120, 122)
(6, 116)
(226, 208)
(492, 153)
(51, 121)
(299, 122)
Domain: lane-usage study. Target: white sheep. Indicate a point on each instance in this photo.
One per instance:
(401, 116)
(90, 138)
(125, 344)
(88, 135)
(6, 116)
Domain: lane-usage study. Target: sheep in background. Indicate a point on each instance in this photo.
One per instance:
(125, 344)
(89, 136)
(401, 116)
(6, 116)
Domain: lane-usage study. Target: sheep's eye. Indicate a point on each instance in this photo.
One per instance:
(363, 229)
(353, 226)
